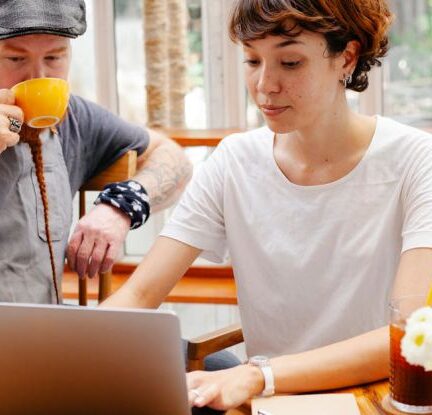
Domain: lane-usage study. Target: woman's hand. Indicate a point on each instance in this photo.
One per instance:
(224, 389)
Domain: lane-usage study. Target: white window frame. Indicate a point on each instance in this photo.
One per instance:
(223, 71)
(105, 55)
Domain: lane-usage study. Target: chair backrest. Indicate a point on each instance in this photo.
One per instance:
(122, 169)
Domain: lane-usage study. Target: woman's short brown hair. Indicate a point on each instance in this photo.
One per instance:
(339, 21)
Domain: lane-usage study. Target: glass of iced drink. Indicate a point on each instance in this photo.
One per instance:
(410, 384)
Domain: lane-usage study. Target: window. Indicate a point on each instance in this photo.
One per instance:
(130, 59)
(408, 68)
(195, 105)
(82, 74)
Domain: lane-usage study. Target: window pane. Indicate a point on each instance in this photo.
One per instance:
(408, 68)
(195, 105)
(131, 63)
(82, 74)
(130, 60)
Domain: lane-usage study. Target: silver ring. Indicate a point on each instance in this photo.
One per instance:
(14, 125)
(195, 392)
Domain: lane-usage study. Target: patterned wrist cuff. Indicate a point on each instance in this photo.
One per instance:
(130, 197)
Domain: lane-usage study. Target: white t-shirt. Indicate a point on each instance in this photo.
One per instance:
(313, 264)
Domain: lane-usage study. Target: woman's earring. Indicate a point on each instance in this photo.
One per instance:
(347, 80)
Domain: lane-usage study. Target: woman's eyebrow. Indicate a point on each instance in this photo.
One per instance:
(289, 42)
(279, 45)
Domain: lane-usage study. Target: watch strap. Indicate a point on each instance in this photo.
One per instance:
(269, 388)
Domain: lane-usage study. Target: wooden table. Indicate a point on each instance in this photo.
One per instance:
(368, 398)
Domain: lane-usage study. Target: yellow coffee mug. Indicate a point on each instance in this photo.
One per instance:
(43, 100)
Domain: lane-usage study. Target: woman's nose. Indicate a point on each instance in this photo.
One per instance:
(267, 82)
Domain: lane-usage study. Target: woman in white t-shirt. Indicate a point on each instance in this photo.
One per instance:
(325, 213)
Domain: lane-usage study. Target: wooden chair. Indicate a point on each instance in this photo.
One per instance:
(200, 347)
(123, 169)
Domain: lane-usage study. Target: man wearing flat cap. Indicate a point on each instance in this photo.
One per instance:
(35, 43)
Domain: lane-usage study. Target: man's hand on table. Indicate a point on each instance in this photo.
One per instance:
(97, 240)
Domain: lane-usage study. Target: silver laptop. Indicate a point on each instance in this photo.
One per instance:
(72, 360)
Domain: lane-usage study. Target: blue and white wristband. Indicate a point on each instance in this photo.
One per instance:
(130, 197)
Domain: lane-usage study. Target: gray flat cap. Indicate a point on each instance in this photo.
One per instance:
(57, 17)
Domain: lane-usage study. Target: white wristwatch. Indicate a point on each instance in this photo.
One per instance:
(263, 363)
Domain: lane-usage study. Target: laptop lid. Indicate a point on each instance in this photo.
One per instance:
(72, 360)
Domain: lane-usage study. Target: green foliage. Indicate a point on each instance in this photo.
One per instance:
(128, 8)
(195, 42)
(412, 43)
(195, 67)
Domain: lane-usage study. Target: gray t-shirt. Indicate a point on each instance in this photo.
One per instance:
(92, 138)
(89, 139)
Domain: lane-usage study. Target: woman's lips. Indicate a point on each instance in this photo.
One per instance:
(272, 111)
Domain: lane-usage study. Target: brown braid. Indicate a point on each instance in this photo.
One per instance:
(31, 137)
